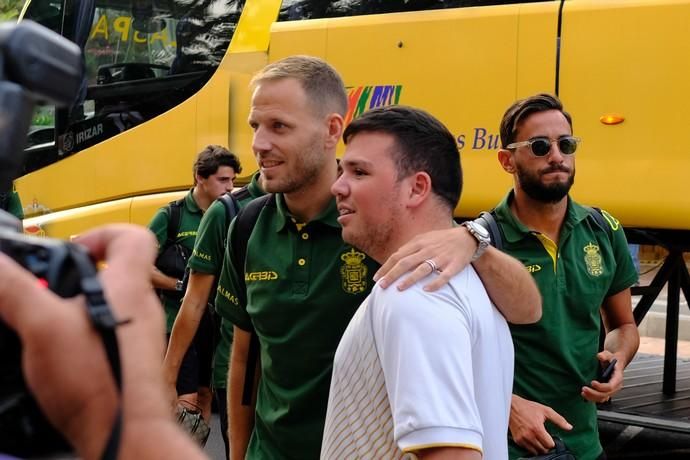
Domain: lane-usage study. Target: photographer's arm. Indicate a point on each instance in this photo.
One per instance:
(66, 367)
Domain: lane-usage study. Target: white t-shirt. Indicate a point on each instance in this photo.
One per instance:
(415, 370)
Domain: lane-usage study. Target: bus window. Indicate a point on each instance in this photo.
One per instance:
(295, 10)
(141, 58)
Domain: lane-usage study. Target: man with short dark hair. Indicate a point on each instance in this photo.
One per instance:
(582, 267)
(415, 372)
(214, 170)
(204, 266)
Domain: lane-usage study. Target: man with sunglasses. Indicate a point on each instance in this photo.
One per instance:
(581, 266)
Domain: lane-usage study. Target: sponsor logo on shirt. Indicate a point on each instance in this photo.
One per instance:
(593, 261)
(186, 234)
(228, 295)
(353, 272)
(261, 276)
(201, 255)
(533, 268)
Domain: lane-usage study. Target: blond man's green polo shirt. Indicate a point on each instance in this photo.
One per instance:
(207, 257)
(303, 284)
(556, 356)
(190, 217)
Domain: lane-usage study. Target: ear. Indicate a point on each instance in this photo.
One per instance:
(419, 189)
(198, 179)
(507, 160)
(335, 126)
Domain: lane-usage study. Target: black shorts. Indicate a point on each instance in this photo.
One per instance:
(197, 364)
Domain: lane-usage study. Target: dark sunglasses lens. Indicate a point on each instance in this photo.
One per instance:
(568, 145)
(541, 147)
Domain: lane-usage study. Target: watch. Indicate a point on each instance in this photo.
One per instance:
(480, 234)
(179, 285)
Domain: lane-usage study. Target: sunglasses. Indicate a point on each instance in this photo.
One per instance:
(541, 146)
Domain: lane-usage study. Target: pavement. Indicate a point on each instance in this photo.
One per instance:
(655, 346)
(654, 323)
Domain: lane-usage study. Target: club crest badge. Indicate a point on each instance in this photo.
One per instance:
(353, 273)
(593, 260)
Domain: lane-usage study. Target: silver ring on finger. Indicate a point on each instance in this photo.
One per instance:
(432, 265)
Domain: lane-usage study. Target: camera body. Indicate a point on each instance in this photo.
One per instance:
(24, 431)
(36, 64)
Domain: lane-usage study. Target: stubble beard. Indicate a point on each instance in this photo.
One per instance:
(375, 240)
(305, 172)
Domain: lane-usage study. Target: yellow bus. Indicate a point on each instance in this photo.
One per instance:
(164, 78)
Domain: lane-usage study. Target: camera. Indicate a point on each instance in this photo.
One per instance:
(36, 65)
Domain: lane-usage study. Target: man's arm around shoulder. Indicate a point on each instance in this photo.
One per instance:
(510, 286)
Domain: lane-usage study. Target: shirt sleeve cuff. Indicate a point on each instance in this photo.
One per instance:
(440, 437)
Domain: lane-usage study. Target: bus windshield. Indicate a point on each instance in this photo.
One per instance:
(141, 58)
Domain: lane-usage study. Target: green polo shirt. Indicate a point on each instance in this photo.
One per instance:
(303, 286)
(14, 204)
(556, 356)
(207, 257)
(190, 217)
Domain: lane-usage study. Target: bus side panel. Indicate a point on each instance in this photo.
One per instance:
(144, 207)
(286, 37)
(630, 59)
(68, 223)
(459, 64)
(536, 54)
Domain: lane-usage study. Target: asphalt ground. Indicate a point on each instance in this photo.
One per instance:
(619, 441)
(635, 443)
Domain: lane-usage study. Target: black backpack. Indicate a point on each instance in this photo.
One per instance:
(246, 221)
(172, 260)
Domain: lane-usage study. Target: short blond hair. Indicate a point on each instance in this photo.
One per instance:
(322, 84)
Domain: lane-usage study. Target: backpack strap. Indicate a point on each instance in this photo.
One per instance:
(246, 221)
(232, 207)
(598, 217)
(488, 221)
(175, 217)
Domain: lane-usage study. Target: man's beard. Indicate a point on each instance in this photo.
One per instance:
(551, 193)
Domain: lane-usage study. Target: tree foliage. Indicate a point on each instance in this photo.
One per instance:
(9, 9)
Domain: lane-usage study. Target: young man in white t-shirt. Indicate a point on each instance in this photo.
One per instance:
(422, 373)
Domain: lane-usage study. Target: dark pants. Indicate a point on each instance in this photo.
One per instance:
(221, 396)
(196, 366)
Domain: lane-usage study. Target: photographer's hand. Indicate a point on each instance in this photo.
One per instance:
(64, 361)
